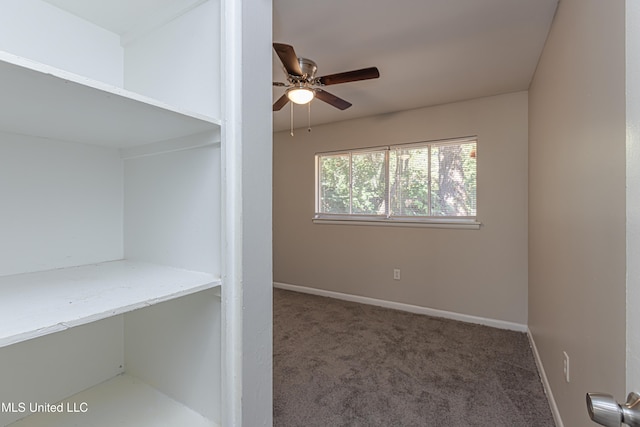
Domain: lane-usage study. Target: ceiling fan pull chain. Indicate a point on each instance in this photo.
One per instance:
(291, 119)
(309, 116)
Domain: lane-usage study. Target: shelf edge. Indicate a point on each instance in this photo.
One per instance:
(93, 317)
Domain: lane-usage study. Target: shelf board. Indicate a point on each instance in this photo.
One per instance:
(40, 303)
(123, 401)
(47, 102)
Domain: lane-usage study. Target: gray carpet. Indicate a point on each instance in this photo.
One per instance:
(338, 363)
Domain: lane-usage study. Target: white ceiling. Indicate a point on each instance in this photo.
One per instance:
(429, 52)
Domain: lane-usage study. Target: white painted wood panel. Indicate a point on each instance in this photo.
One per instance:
(39, 31)
(171, 145)
(61, 204)
(172, 209)
(185, 50)
(56, 366)
(36, 304)
(44, 101)
(123, 401)
(175, 347)
(122, 16)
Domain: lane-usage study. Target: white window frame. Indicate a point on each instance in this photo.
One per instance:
(467, 222)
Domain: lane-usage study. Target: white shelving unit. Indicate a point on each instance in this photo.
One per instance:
(110, 177)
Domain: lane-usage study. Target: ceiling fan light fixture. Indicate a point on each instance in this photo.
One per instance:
(302, 80)
(300, 95)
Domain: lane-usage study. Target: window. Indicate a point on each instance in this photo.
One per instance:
(426, 182)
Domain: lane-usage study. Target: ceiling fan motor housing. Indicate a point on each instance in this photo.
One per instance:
(308, 68)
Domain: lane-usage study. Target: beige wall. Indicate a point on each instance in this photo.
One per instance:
(633, 190)
(473, 272)
(577, 203)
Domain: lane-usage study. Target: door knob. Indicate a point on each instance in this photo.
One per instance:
(603, 409)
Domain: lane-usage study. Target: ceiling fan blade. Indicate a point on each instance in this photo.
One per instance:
(279, 84)
(289, 58)
(331, 99)
(349, 76)
(281, 102)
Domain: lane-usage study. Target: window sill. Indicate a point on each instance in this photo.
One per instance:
(469, 224)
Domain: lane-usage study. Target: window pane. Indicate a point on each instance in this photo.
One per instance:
(409, 186)
(368, 175)
(409, 180)
(334, 184)
(453, 180)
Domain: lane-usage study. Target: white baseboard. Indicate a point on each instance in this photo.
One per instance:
(545, 382)
(500, 324)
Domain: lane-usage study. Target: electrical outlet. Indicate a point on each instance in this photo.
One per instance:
(396, 274)
(566, 366)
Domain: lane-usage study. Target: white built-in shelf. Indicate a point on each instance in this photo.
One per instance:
(44, 101)
(123, 401)
(40, 303)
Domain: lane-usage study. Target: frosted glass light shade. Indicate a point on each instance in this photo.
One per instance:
(300, 95)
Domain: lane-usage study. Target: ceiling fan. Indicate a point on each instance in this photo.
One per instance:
(303, 85)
